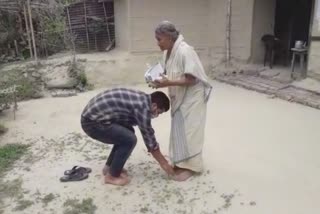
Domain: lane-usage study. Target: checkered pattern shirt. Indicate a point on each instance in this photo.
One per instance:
(124, 106)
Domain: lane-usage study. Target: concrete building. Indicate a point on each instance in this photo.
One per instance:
(204, 22)
(314, 63)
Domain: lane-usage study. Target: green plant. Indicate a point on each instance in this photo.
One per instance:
(48, 198)
(83, 78)
(26, 87)
(11, 189)
(73, 206)
(53, 27)
(8, 30)
(22, 205)
(3, 129)
(9, 154)
(77, 71)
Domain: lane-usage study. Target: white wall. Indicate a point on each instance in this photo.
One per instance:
(121, 12)
(189, 16)
(314, 52)
(217, 30)
(202, 22)
(314, 56)
(316, 19)
(241, 29)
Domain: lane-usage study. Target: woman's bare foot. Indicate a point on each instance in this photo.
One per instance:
(182, 174)
(105, 171)
(118, 181)
(178, 170)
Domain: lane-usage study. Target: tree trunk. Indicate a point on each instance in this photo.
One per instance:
(85, 19)
(95, 41)
(28, 31)
(106, 17)
(32, 32)
(16, 48)
(72, 39)
(71, 34)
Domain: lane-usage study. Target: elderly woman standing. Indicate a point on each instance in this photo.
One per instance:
(189, 90)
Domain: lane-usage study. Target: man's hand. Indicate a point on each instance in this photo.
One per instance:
(168, 169)
(162, 161)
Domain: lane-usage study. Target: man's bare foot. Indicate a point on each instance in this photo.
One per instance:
(182, 174)
(118, 181)
(105, 171)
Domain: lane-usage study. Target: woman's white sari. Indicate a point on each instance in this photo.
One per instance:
(188, 106)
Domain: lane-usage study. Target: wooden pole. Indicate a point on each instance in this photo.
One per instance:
(9, 50)
(16, 48)
(44, 45)
(20, 25)
(95, 41)
(228, 33)
(28, 31)
(15, 107)
(85, 18)
(46, 49)
(106, 17)
(32, 32)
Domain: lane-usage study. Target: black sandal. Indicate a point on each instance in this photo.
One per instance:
(76, 169)
(76, 176)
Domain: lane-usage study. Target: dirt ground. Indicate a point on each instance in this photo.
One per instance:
(261, 156)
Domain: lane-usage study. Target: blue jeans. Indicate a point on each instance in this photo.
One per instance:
(122, 137)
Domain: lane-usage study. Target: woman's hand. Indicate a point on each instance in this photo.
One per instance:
(187, 80)
(163, 82)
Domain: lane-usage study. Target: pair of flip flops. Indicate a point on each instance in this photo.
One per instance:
(77, 173)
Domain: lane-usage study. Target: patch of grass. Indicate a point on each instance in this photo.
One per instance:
(26, 87)
(77, 70)
(22, 205)
(29, 158)
(83, 78)
(28, 169)
(144, 210)
(11, 189)
(73, 206)
(103, 157)
(3, 129)
(90, 87)
(48, 198)
(9, 154)
(87, 157)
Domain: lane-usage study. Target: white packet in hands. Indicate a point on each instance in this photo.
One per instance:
(154, 73)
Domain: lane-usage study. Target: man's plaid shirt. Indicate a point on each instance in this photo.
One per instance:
(125, 107)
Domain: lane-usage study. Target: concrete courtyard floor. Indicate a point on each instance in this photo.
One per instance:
(261, 156)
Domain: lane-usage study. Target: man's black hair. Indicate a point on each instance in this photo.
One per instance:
(161, 99)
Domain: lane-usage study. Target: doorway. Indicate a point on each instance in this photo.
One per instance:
(292, 23)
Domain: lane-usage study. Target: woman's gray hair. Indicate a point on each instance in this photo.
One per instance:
(167, 28)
